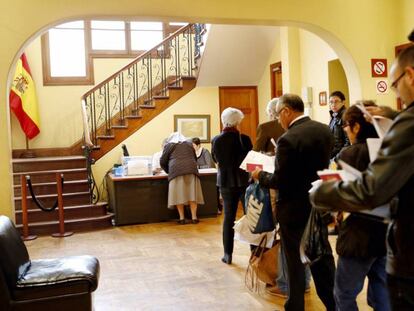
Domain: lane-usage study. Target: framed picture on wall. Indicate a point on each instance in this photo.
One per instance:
(193, 125)
(323, 99)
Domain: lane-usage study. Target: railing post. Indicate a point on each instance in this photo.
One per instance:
(25, 222)
(61, 232)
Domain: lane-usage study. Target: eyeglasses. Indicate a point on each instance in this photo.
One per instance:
(334, 102)
(277, 113)
(394, 85)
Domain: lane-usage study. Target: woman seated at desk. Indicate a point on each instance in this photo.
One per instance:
(204, 159)
(179, 161)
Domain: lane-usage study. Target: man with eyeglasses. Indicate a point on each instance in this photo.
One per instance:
(302, 150)
(336, 110)
(390, 176)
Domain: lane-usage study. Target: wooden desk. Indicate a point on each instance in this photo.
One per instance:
(143, 199)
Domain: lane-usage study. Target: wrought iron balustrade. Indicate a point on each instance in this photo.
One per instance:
(151, 74)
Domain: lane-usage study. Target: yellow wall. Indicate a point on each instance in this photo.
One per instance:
(59, 106)
(147, 141)
(263, 88)
(359, 30)
(314, 57)
(305, 59)
(407, 20)
(337, 79)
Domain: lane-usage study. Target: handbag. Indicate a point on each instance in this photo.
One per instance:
(263, 264)
(314, 243)
(259, 209)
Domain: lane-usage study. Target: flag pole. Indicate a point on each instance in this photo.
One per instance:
(28, 153)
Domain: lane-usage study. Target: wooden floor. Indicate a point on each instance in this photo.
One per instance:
(167, 267)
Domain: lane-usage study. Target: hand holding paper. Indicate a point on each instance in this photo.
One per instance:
(256, 159)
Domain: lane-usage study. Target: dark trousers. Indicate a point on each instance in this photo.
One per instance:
(401, 293)
(349, 281)
(323, 272)
(231, 198)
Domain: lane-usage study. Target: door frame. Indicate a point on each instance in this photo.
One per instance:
(274, 68)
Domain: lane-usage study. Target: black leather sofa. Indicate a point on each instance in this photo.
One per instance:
(40, 285)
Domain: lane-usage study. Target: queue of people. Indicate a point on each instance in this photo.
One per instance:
(366, 248)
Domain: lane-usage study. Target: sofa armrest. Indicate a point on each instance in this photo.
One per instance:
(65, 270)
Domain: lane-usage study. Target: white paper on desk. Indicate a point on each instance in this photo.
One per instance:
(254, 157)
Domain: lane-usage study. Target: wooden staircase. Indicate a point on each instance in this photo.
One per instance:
(134, 95)
(113, 110)
(147, 113)
(80, 213)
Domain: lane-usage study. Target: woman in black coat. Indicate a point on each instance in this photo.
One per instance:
(361, 241)
(228, 150)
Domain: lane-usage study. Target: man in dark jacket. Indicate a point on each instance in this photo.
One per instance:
(302, 151)
(390, 175)
(336, 110)
(268, 130)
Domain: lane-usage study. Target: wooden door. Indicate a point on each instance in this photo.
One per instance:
(276, 89)
(245, 99)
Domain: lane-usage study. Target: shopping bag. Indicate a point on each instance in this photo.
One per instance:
(314, 244)
(262, 265)
(259, 209)
(243, 233)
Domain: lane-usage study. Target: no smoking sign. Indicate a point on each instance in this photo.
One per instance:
(382, 87)
(379, 68)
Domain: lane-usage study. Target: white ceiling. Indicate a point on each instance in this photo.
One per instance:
(236, 55)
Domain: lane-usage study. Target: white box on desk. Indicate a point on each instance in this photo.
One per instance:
(137, 165)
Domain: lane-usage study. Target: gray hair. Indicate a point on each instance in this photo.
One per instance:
(271, 107)
(231, 117)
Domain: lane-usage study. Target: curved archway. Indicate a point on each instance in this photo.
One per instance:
(339, 48)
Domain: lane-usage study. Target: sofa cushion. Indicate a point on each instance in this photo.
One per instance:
(50, 277)
(14, 259)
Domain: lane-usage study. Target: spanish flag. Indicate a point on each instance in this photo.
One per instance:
(23, 100)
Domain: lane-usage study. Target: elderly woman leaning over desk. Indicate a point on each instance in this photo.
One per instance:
(179, 161)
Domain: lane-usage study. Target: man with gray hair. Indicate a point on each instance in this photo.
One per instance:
(302, 150)
(268, 130)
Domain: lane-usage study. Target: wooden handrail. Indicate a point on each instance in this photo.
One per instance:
(138, 58)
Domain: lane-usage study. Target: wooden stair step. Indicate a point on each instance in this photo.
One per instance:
(75, 225)
(51, 195)
(50, 187)
(133, 117)
(105, 136)
(48, 163)
(70, 212)
(175, 87)
(125, 126)
(160, 97)
(50, 175)
(69, 199)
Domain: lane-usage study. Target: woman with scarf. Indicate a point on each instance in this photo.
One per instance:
(179, 161)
